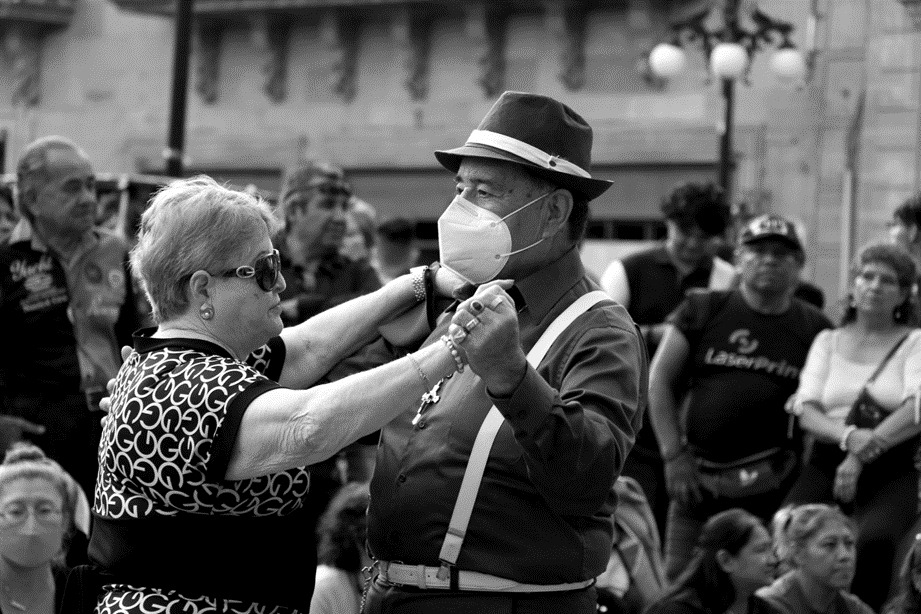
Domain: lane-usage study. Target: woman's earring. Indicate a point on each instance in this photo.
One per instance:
(851, 301)
(897, 313)
(205, 312)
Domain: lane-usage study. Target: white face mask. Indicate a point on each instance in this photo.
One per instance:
(31, 550)
(474, 242)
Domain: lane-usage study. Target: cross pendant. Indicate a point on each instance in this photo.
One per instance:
(429, 398)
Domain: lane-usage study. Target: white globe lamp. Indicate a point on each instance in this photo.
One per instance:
(666, 60)
(788, 64)
(728, 60)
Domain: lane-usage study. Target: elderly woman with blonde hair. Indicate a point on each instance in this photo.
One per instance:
(213, 421)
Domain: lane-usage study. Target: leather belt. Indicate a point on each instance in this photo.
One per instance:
(424, 577)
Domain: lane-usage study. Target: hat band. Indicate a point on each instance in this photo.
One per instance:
(526, 151)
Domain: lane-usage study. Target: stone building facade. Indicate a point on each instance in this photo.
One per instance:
(376, 86)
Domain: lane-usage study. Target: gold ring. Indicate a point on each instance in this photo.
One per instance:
(496, 302)
(473, 323)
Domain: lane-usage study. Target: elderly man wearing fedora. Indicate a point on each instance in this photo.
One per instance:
(497, 495)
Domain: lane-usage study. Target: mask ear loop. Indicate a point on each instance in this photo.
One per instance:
(502, 219)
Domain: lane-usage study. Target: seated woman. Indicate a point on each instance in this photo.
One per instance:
(341, 552)
(36, 521)
(872, 474)
(734, 557)
(908, 598)
(203, 460)
(822, 556)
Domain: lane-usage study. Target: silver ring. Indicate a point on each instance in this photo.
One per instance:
(473, 323)
(459, 334)
(496, 302)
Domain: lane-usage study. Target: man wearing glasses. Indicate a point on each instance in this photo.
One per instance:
(66, 306)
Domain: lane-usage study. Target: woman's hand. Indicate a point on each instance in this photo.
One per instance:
(846, 478)
(447, 283)
(864, 444)
(485, 329)
(105, 403)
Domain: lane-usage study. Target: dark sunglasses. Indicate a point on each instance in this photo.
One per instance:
(265, 270)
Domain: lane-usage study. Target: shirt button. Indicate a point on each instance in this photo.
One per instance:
(421, 424)
(401, 478)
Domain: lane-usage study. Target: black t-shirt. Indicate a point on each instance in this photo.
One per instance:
(744, 366)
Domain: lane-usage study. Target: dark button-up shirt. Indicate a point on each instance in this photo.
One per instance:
(543, 513)
(63, 322)
(335, 280)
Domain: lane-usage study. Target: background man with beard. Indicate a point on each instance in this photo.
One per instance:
(66, 306)
(731, 359)
(314, 201)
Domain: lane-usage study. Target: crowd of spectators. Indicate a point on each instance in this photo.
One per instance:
(776, 470)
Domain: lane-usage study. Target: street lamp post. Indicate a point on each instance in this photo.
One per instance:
(730, 33)
(182, 48)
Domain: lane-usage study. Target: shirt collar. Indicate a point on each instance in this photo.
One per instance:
(145, 342)
(544, 289)
(23, 232)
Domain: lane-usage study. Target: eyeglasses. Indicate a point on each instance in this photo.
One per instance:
(265, 270)
(884, 278)
(17, 513)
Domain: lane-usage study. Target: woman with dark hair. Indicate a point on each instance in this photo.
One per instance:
(341, 551)
(864, 459)
(734, 557)
(908, 599)
(905, 226)
(822, 555)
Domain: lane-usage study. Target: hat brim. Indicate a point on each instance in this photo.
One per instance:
(782, 238)
(581, 186)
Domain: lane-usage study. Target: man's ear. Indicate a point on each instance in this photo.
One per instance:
(26, 198)
(559, 207)
(913, 233)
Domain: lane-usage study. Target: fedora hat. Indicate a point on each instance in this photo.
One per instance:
(537, 132)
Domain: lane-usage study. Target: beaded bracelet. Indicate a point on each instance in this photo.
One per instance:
(448, 341)
(425, 380)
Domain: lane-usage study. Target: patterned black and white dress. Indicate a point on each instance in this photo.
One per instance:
(166, 521)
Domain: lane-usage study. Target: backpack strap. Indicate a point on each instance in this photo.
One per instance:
(476, 464)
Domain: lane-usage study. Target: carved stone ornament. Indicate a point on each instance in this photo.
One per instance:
(913, 8)
(272, 35)
(413, 39)
(340, 30)
(22, 45)
(486, 27)
(208, 59)
(567, 21)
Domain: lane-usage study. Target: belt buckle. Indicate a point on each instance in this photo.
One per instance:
(448, 571)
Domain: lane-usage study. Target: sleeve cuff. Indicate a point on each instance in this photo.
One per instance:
(529, 405)
(222, 447)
